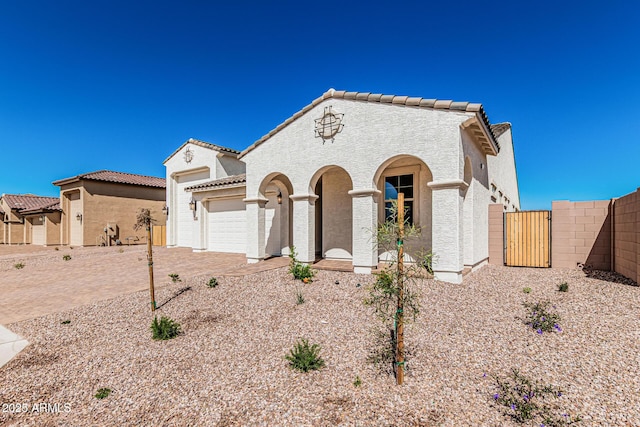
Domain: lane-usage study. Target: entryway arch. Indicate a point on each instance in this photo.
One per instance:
(410, 175)
(333, 212)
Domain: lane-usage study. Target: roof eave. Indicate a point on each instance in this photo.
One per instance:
(477, 128)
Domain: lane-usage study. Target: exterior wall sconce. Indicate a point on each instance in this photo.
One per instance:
(79, 216)
(165, 210)
(279, 198)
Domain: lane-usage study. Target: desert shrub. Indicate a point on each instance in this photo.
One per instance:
(175, 277)
(525, 400)
(212, 283)
(299, 270)
(299, 297)
(165, 329)
(542, 318)
(563, 287)
(304, 357)
(66, 257)
(527, 290)
(102, 393)
(65, 322)
(357, 382)
(18, 265)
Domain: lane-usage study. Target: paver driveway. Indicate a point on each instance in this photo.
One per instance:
(48, 284)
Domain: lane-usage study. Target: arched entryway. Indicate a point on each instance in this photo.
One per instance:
(411, 176)
(333, 213)
(278, 208)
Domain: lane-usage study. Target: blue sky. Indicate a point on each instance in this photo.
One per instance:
(120, 85)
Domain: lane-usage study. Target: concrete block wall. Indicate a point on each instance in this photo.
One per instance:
(626, 236)
(496, 234)
(581, 234)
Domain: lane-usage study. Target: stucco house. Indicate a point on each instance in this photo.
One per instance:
(325, 178)
(28, 219)
(100, 208)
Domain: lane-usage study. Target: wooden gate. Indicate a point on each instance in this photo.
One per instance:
(159, 235)
(527, 239)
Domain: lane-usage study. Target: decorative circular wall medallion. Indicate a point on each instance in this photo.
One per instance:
(329, 125)
(188, 155)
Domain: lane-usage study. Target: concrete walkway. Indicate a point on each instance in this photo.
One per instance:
(10, 345)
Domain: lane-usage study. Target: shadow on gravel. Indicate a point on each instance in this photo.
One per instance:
(174, 296)
(608, 276)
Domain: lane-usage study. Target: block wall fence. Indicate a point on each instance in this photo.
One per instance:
(603, 235)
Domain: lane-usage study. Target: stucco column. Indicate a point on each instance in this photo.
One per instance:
(365, 221)
(255, 229)
(448, 229)
(201, 226)
(304, 226)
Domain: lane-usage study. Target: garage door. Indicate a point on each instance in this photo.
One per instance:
(227, 226)
(37, 232)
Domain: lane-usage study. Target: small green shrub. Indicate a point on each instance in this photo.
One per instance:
(299, 270)
(357, 382)
(304, 357)
(524, 400)
(527, 290)
(102, 393)
(66, 257)
(175, 277)
(18, 266)
(541, 318)
(299, 297)
(425, 260)
(65, 322)
(563, 287)
(213, 282)
(165, 329)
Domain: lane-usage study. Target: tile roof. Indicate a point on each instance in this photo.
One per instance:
(220, 148)
(117, 177)
(27, 202)
(500, 128)
(434, 104)
(54, 206)
(226, 182)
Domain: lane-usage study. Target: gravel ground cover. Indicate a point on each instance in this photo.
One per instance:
(227, 368)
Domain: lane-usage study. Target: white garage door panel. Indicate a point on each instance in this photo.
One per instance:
(227, 226)
(37, 233)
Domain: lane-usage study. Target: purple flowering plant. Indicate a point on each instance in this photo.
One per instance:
(541, 317)
(524, 400)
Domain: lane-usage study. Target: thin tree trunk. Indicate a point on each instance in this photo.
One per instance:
(399, 311)
(150, 259)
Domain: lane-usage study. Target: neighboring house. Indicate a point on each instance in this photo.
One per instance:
(100, 208)
(324, 179)
(28, 219)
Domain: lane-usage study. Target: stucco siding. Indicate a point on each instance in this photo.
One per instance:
(336, 215)
(371, 131)
(502, 172)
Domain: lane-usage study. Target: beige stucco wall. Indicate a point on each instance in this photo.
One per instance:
(105, 203)
(53, 226)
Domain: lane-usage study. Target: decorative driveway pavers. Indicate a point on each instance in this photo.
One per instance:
(48, 284)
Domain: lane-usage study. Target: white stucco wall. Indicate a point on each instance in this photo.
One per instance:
(374, 135)
(502, 171)
(205, 166)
